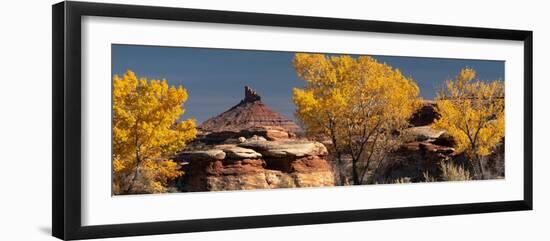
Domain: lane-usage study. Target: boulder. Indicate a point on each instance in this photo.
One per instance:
(445, 140)
(235, 152)
(256, 138)
(427, 147)
(422, 133)
(203, 155)
(271, 133)
(425, 115)
(281, 149)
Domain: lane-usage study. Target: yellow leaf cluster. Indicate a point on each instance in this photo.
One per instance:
(146, 132)
(352, 101)
(358, 93)
(472, 111)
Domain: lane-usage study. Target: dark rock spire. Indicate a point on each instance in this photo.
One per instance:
(250, 95)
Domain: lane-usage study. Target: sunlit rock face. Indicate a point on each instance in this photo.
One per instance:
(258, 165)
(247, 117)
(252, 147)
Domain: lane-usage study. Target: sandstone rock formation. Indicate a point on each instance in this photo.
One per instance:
(423, 133)
(427, 149)
(244, 117)
(258, 165)
(271, 133)
(425, 115)
(281, 149)
(412, 160)
(205, 155)
(235, 152)
(252, 147)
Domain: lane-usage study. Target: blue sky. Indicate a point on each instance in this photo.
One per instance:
(215, 78)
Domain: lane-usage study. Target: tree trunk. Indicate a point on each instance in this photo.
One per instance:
(136, 173)
(480, 166)
(132, 182)
(355, 175)
(341, 173)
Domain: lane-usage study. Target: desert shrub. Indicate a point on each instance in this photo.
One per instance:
(452, 172)
(394, 181)
(428, 178)
(402, 180)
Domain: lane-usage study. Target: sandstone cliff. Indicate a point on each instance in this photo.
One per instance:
(250, 146)
(257, 164)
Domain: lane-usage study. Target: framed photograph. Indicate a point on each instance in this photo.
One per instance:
(170, 120)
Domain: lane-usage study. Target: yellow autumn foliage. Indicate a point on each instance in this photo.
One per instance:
(146, 133)
(472, 112)
(355, 102)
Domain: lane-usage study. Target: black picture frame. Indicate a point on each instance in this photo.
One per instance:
(66, 166)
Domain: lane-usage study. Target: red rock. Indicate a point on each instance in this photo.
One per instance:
(280, 171)
(426, 147)
(310, 164)
(250, 113)
(271, 133)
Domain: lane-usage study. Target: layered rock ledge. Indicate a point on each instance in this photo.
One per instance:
(257, 164)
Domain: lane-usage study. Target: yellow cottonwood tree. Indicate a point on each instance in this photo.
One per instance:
(146, 133)
(358, 103)
(472, 112)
